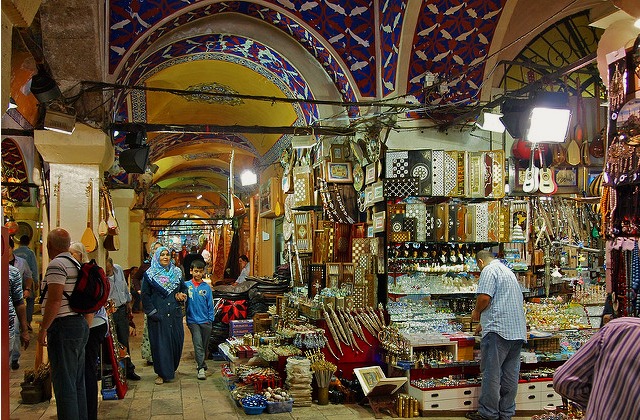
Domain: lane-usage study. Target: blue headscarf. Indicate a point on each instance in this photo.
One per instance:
(163, 279)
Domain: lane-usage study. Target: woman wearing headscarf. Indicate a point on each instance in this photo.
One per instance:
(163, 295)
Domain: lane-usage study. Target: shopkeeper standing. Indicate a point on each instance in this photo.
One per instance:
(499, 308)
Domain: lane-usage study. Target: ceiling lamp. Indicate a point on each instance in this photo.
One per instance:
(490, 121)
(248, 177)
(544, 118)
(59, 122)
(43, 87)
(134, 160)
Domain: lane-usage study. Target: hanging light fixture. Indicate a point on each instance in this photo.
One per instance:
(248, 177)
(43, 87)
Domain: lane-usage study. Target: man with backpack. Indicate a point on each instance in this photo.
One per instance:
(64, 331)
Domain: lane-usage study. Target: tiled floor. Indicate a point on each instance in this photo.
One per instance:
(185, 398)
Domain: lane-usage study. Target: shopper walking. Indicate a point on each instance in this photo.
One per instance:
(119, 294)
(25, 252)
(200, 315)
(17, 312)
(163, 297)
(145, 347)
(186, 263)
(499, 308)
(63, 331)
(26, 285)
(603, 374)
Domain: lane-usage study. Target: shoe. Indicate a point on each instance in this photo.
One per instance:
(15, 365)
(474, 415)
(159, 381)
(133, 376)
(201, 374)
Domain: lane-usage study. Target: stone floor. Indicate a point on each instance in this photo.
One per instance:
(185, 398)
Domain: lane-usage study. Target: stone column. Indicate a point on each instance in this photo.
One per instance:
(130, 252)
(74, 160)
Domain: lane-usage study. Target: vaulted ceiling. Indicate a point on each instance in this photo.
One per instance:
(276, 64)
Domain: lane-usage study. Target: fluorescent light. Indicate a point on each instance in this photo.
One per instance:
(490, 122)
(188, 205)
(548, 125)
(199, 197)
(248, 177)
(59, 122)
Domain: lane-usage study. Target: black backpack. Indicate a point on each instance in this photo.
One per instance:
(91, 290)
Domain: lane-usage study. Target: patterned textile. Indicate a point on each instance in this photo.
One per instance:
(164, 279)
(228, 310)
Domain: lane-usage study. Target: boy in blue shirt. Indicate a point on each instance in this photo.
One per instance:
(199, 314)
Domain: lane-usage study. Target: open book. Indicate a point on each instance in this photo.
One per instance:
(374, 382)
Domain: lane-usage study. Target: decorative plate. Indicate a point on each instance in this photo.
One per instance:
(287, 229)
(288, 205)
(358, 177)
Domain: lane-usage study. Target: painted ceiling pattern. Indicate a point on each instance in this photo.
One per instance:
(452, 40)
(452, 37)
(391, 19)
(277, 19)
(240, 50)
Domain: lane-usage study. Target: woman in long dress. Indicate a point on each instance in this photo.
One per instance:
(163, 296)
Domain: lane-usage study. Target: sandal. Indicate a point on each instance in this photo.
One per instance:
(159, 381)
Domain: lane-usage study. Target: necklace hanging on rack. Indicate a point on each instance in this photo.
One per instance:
(343, 208)
(327, 202)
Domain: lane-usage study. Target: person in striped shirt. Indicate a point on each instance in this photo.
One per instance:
(603, 374)
(63, 331)
(499, 308)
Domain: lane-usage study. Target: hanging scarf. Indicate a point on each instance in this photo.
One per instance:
(164, 279)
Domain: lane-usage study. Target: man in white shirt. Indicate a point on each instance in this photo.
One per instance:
(243, 261)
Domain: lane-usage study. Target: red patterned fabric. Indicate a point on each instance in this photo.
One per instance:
(232, 309)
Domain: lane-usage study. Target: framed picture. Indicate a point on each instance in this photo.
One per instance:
(370, 174)
(339, 172)
(566, 177)
(373, 377)
(368, 196)
(369, 377)
(370, 231)
(338, 153)
(379, 221)
(378, 192)
(269, 197)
